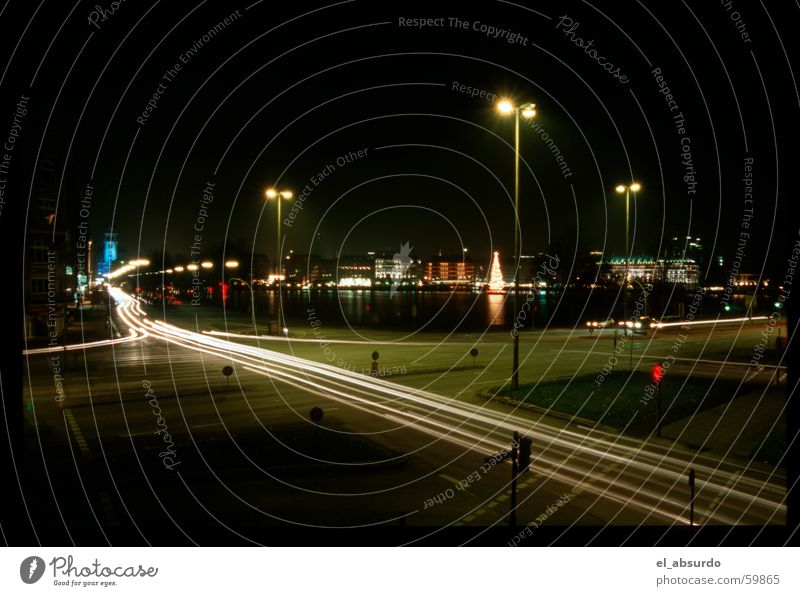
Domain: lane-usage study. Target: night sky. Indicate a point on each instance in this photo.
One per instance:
(280, 93)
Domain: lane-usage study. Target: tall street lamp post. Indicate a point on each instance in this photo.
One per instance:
(527, 111)
(278, 195)
(633, 187)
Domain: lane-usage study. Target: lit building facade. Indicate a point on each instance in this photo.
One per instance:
(396, 269)
(444, 270)
(109, 253)
(683, 272)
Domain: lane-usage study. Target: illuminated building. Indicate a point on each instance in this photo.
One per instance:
(449, 270)
(109, 253)
(649, 270)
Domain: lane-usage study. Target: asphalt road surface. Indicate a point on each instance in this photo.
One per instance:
(145, 434)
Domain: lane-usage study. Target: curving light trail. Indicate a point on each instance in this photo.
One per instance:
(649, 476)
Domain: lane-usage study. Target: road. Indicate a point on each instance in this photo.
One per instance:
(385, 453)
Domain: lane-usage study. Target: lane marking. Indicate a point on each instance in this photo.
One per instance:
(498, 500)
(601, 476)
(110, 514)
(449, 478)
(717, 499)
(76, 431)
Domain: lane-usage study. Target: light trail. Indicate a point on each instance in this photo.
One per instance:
(653, 474)
(712, 322)
(126, 307)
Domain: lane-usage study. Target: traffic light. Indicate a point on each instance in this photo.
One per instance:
(524, 457)
(658, 373)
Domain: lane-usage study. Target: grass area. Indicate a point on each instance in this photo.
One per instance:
(622, 395)
(773, 449)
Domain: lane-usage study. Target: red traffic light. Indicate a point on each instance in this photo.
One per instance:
(658, 373)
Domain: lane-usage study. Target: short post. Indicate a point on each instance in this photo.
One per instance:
(778, 348)
(374, 368)
(658, 377)
(691, 498)
(630, 359)
(316, 414)
(227, 371)
(658, 389)
(474, 353)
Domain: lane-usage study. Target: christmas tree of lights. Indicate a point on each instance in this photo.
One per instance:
(496, 283)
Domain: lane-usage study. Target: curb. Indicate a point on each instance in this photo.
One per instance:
(488, 396)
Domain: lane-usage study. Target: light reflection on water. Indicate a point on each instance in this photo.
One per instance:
(463, 310)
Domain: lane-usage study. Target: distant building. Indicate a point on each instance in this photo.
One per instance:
(448, 270)
(530, 267)
(749, 280)
(49, 273)
(110, 244)
(397, 267)
(685, 247)
(309, 269)
(355, 266)
(649, 270)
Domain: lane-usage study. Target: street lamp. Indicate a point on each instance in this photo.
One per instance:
(527, 111)
(273, 193)
(633, 187)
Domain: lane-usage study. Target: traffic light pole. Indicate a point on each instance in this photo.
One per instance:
(512, 518)
(658, 431)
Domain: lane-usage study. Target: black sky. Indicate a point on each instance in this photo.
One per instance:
(281, 92)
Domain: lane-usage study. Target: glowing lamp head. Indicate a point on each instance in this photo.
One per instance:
(505, 107)
(636, 187)
(287, 194)
(529, 111)
(206, 264)
(231, 264)
(621, 188)
(271, 193)
(179, 268)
